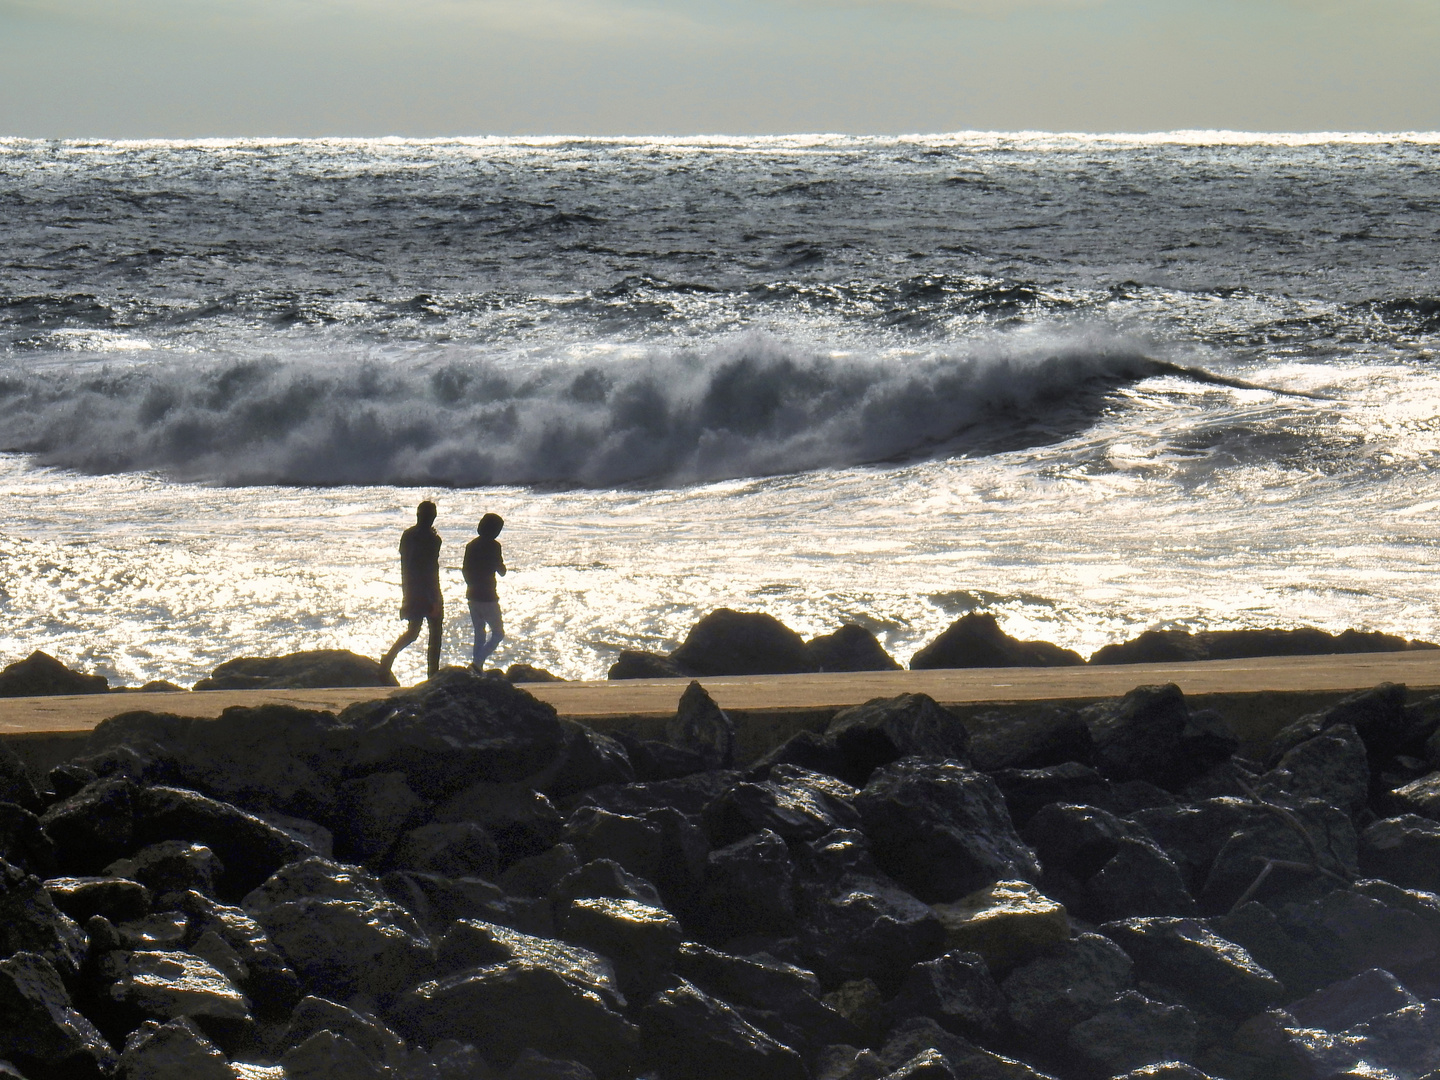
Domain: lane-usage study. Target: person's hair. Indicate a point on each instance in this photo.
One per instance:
(425, 512)
(490, 526)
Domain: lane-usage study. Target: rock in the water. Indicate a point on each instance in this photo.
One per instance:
(689, 1034)
(1134, 1031)
(1421, 796)
(40, 1030)
(1405, 850)
(41, 675)
(300, 670)
(851, 648)
(794, 802)
(450, 849)
(636, 664)
(521, 820)
(727, 642)
(639, 939)
(1185, 955)
(702, 727)
(1045, 735)
(886, 729)
(527, 673)
(976, 640)
(1052, 993)
(1007, 923)
(1352, 1001)
(328, 1056)
(175, 1050)
(941, 829)
(115, 898)
(31, 923)
(1169, 646)
(955, 990)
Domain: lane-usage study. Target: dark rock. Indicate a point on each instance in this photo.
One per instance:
(165, 986)
(175, 1050)
(538, 874)
(866, 927)
(1378, 715)
(1133, 1031)
(31, 923)
(702, 727)
(640, 940)
(450, 849)
(115, 898)
(269, 982)
(373, 811)
(1257, 930)
(1165, 1070)
(328, 1056)
(16, 786)
(24, 843)
(587, 759)
(1420, 797)
(1353, 1001)
(1404, 850)
(805, 749)
(437, 901)
(1170, 646)
(367, 1032)
(533, 1065)
(1243, 858)
(793, 802)
(1051, 994)
(884, 730)
(1332, 767)
(689, 795)
(1138, 737)
(1046, 735)
(93, 827)
(976, 640)
(317, 667)
(475, 943)
(851, 648)
(631, 841)
(521, 821)
(452, 730)
(635, 664)
(1076, 839)
(926, 1065)
(526, 673)
(967, 1060)
(1130, 796)
(41, 675)
(1352, 932)
(955, 990)
(941, 829)
(1138, 880)
(40, 1030)
(653, 760)
(602, 877)
(65, 780)
(171, 866)
(689, 1034)
(861, 1003)
(1406, 1041)
(1185, 955)
(749, 887)
(1007, 923)
(1026, 791)
(339, 931)
(727, 642)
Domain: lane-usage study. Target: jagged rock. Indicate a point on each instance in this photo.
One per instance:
(24, 842)
(338, 929)
(450, 849)
(1352, 931)
(1138, 737)
(1332, 767)
(639, 939)
(805, 749)
(532, 1065)
(602, 877)
(689, 794)
(652, 760)
(41, 675)
(300, 670)
(1239, 863)
(1138, 880)
(749, 887)
(174, 1050)
(941, 829)
(1404, 850)
(1377, 715)
(1257, 930)
(166, 986)
(31, 923)
(538, 874)
(171, 866)
(865, 927)
(328, 1056)
(702, 727)
(1052, 993)
(851, 648)
(1165, 1070)
(1420, 797)
(886, 729)
(1170, 646)
(1007, 923)
(1075, 838)
(521, 820)
(65, 780)
(115, 898)
(861, 1003)
(1133, 1031)
(1046, 735)
(267, 980)
(528, 673)
(475, 943)
(919, 1034)
(1027, 791)
(1184, 954)
(587, 759)
(926, 1065)
(1403, 1043)
(1352, 1001)
(436, 902)
(636, 664)
(16, 786)
(794, 803)
(955, 990)
(688, 1034)
(40, 1030)
(633, 842)
(727, 642)
(452, 730)
(373, 811)
(367, 1032)
(93, 827)
(976, 640)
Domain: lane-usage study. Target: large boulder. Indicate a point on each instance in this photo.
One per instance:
(851, 648)
(587, 759)
(315, 667)
(41, 675)
(153, 985)
(1351, 930)
(521, 820)
(1378, 715)
(727, 642)
(1171, 646)
(31, 923)
(955, 990)
(1138, 737)
(1185, 955)
(16, 785)
(264, 975)
(886, 729)
(369, 1034)
(40, 1030)
(793, 802)
(690, 1034)
(637, 664)
(1404, 850)
(1007, 923)
(174, 1050)
(24, 841)
(976, 640)
(373, 811)
(701, 727)
(865, 927)
(94, 826)
(749, 887)
(1352, 1001)
(1043, 735)
(1133, 1031)
(1333, 767)
(1421, 796)
(1066, 986)
(639, 939)
(115, 898)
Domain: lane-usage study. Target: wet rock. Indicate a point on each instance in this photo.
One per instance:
(94, 826)
(41, 675)
(267, 980)
(339, 931)
(701, 727)
(602, 877)
(586, 759)
(373, 811)
(955, 990)
(450, 849)
(1404, 850)
(851, 648)
(886, 729)
(1257, 930)
(636, 664)
(171, 866)
(40, 1030)
(166, 986)
(794, 803)
(749, 887)
(115, 898)
(631, 841)
(941, 829)
(1332, 767)
(16, 785)
(1046, 735)
(688, 1034)
(1351, 932)
(1133, 1031)
(521, 820)
(640, 940)
(452, 730)
(24, 843)
(328, 1056)
(1027, 791)
(1169, 646)
(1138, 737)
(316, 667)
(1006, 923)
(538, 874)
(727, 642)
(1052, 993)
(1420, 797)
(31, 923)
(175, 1050)
(976, 640)
(919, 1034)
(1185, 955)
(1352, 1001)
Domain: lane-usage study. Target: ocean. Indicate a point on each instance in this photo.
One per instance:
(1091, 384)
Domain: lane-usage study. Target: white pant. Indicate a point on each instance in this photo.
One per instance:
(486, 613)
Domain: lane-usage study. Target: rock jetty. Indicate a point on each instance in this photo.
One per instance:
(453, 882)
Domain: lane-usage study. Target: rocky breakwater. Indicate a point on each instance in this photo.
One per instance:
(453, 882)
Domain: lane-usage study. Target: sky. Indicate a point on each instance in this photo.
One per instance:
(424, 68)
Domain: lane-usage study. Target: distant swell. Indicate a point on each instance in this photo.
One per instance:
(753, 407)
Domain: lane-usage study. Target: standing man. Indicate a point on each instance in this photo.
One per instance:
(419, 586)
(483, 561)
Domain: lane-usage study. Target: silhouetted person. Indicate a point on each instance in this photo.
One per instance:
(420, 586)
(483, 561)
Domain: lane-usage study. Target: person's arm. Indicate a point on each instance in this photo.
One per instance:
(499, 561)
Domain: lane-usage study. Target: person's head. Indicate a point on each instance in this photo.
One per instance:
(425, 513)
(490, 526)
